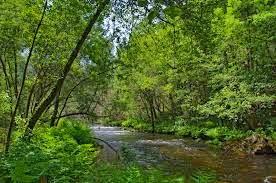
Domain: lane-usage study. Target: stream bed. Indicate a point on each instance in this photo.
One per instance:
(185, 157)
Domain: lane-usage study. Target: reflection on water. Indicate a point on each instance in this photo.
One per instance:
(193, 160)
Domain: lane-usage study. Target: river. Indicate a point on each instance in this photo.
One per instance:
(194, 160)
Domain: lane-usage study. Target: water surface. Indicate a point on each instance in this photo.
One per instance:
(186, 157)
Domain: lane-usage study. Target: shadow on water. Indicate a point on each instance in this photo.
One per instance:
(194, 160)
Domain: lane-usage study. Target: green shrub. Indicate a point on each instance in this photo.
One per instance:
(79, 131)
(217, 133)
(192, 131)
(209, 124)
(53, 152)
(136, 124)
(213, 133)
(224, 134)
(207, 130)
(165, 129)
(183, 131)
(234, 134)
(129, 123)
(198, 132)
(180, 122)
(141, 126)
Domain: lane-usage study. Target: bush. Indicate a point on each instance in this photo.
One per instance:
(79, 131)
(225, 134)
(233, 134)
(136, 124)
(197, 132)
(209, 124)
(183, 131)
(54, 152)
(129, 123)
(192, 131)
(165, 129)
(207, 130)
(217, 133)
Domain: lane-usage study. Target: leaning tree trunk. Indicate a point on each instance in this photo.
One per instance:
(30, 96)
(55, 112)
(14, 113)
(67, 67)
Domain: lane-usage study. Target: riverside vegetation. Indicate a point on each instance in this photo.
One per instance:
(68, 153)
(202, 69)
(207, 72)
(221, 136)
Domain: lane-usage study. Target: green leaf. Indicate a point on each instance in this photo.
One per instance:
(173, 11)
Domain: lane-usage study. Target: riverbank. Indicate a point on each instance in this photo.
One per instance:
(68, 153)
(220, 136)
(192, 160)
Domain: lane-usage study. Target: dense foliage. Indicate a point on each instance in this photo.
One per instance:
(63, 154)
(201, 68)
(68, 153)
(209, 61)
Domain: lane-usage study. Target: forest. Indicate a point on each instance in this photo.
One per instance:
(203, 70)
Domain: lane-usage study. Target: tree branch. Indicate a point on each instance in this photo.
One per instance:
(23, 80)
(81, 113)
(67, 67)
(8, 83)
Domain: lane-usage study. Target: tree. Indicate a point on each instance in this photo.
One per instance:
(34, 52)
(201, 60)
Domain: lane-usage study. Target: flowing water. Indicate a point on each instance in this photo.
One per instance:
(194, 160)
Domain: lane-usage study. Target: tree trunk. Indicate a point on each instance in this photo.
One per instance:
(54, 116)
(66, 70)
(8, 83)
(173, 107)
(252, 119)
(15, 74)
(29, 100)
(43, 179)
(152, 115)
(68, 96)
(23, 81)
